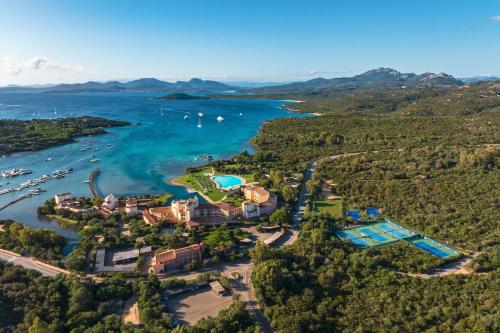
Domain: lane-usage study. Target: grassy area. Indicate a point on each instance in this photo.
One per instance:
(235, 201)
(162, 199)
(249, 177)
(332, 207)
(63, 221)
(201, 183)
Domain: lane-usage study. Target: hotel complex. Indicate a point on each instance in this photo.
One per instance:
(258, 202)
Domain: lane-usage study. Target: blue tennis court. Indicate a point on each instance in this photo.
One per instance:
(431, 249)
(353, 238)
(388, 232)
(393, 231)
(377, 238)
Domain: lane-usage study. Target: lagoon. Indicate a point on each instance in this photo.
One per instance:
(133, 160)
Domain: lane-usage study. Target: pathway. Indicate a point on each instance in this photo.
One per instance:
(31, 263)
(457, 267)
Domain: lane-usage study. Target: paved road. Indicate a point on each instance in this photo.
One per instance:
(454, 267)
(30, 263)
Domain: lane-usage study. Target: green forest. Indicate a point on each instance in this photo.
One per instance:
(30, 135)
(321, 284)
(32, 303)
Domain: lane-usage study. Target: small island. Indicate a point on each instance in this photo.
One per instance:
(181, 96)
(37, 134)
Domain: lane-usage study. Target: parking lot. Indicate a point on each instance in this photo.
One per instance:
(190, 307)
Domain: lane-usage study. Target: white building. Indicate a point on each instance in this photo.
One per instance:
(131, 207)
(250, 209)
(62, 197)
(110, 202)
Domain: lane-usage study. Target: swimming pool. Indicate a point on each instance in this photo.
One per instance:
(227, 182)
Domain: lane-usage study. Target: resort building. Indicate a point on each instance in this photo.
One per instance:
(265, 200)
(175, 258)
(131, 207)
(192, 213)
(66, 201)
(156, 215)
(110, 203)
(250, 209)
(62, 197)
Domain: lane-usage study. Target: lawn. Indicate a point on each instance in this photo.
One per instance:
(201, 183)
(332, 207)
(63, 221)
(162, 199)
(235, 201)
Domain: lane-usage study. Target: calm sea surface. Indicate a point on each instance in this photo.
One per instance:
(133, 160)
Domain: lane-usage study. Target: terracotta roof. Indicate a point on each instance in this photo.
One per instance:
(161, 211)
(226, 206)
(172, 253)
(148, 217)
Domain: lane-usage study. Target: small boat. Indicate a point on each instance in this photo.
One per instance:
(200, 114)
(220, 118)
(96, 149)
(186, 117)
(241, 114)
(109, 144)
(86, 181)
(49, 159)
(199, 123)
(94, 160)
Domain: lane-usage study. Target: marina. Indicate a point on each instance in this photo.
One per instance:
(37, 181)
(14, 172)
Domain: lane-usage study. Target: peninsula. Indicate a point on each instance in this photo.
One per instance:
(37, 134)
(181, 96)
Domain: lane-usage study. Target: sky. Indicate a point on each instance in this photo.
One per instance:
(44, 41)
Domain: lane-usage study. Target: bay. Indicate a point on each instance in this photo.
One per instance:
(133, 160)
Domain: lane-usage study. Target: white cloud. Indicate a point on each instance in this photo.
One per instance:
(496, 18)
(36, 64)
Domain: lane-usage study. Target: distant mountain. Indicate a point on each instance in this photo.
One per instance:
(380, 77)
(480, 78)
(145, 84)
(254, 84)
(181, 96)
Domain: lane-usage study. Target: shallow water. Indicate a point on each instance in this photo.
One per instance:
(133, 160)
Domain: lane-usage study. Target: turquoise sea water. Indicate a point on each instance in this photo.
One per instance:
(133, 160)
(227, 181)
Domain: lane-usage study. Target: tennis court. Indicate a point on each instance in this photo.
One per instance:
(377, 237)
(394, 231)
(355, 239)
(435, 248)
(387, 232)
